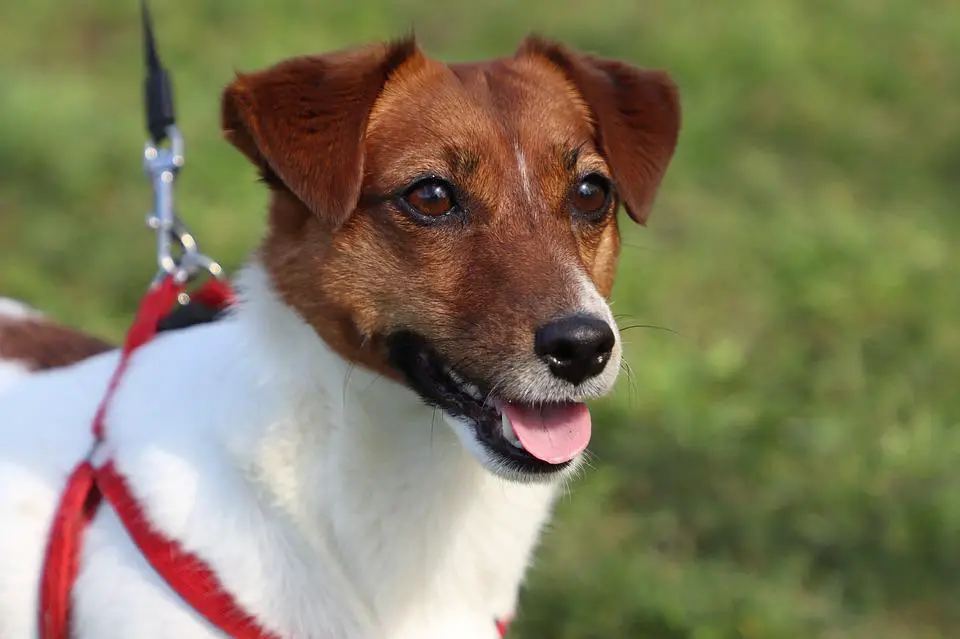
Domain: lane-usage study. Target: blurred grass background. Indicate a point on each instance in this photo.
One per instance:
(784, 464)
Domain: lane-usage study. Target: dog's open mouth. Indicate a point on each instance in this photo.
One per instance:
(541, 439)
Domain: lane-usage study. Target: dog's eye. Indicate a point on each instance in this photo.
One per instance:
(591, 196)
(430, 198)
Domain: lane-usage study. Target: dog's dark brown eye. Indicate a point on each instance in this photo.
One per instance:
(591, 196)
(430, 198)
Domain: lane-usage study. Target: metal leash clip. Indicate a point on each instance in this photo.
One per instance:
(178, 253)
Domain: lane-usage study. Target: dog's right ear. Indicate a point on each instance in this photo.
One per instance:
(302, 122)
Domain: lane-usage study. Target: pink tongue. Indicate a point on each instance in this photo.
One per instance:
(554, 433)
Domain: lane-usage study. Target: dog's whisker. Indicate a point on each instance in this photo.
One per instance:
(632, 388)
(346, 383)
(353, 364)
(630, 327)
(639, 247)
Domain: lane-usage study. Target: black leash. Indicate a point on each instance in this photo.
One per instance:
(158, 89)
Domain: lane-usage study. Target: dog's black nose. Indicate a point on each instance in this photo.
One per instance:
(575, 347)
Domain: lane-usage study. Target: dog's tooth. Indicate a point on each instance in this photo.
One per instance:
(508, 432)
(472, 390)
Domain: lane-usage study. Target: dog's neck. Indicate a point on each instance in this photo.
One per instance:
(374, 479)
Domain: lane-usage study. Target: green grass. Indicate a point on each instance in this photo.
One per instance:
(783, 464)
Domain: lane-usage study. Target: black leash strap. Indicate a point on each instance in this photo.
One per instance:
(158, 89)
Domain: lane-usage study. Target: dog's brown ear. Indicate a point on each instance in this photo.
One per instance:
(302, 122)
(636, 113)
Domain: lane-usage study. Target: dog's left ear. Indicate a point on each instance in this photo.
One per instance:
(302, 122)
(636, 113)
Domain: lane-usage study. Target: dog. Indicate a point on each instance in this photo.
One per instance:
(369, 443)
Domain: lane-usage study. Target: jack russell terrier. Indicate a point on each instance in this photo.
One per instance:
(368, 444)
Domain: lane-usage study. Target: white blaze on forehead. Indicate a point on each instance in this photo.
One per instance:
(524, 174)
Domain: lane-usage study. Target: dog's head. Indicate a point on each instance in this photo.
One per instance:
(454, 227)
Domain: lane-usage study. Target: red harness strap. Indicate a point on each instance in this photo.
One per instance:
(185, 573)
(87, 487)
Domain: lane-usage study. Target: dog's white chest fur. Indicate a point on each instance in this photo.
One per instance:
(330, 502)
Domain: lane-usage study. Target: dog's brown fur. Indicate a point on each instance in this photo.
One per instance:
(338, 137)
(39, 344)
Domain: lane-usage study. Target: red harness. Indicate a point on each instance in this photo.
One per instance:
(89, 485)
